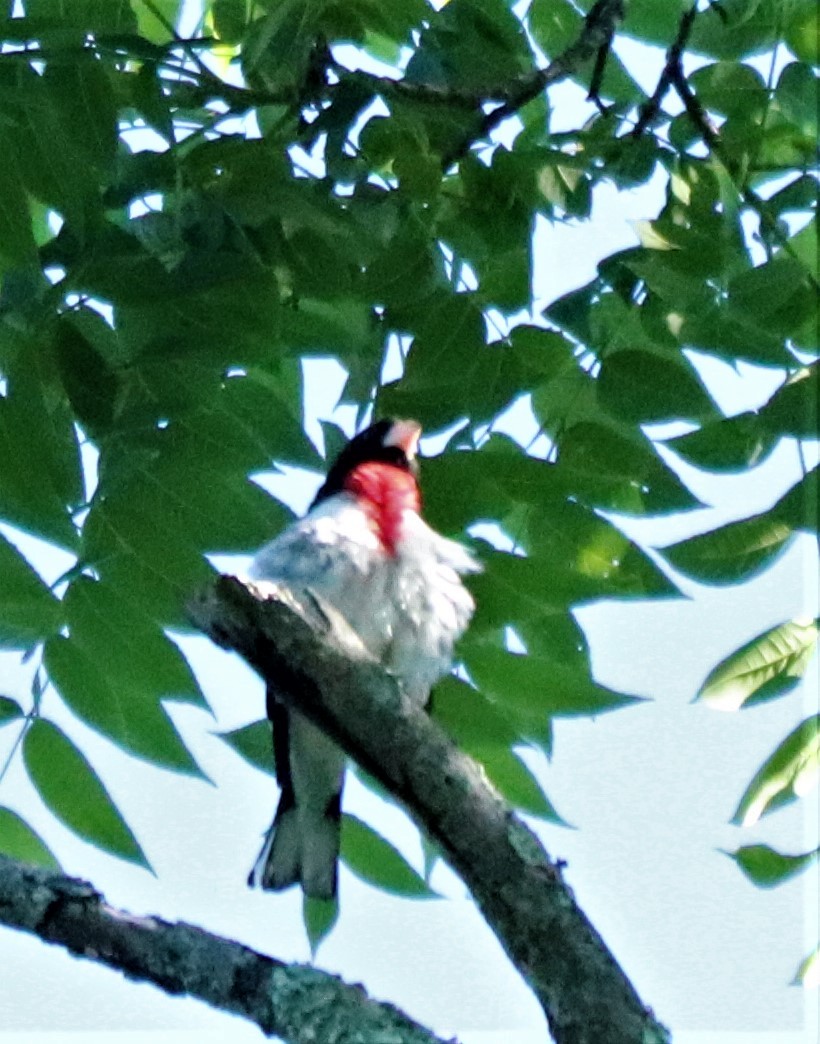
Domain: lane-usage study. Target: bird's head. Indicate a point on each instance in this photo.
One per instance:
(389, 442)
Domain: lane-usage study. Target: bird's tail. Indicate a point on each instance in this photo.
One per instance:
(302, 845)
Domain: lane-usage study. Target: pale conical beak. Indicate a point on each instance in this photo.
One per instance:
(405, 434)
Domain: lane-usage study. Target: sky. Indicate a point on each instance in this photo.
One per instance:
(648, 790)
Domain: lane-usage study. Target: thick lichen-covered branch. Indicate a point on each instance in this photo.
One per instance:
(318, 664)
(297, 1003)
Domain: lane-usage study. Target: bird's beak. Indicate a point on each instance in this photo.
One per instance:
(405, 434)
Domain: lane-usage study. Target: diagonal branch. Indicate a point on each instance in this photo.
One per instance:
(297, 1003)
(652, 107)
(319, 665)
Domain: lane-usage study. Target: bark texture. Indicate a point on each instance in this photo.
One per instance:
(297, 1003)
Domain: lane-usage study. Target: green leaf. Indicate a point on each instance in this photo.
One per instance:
(740, 550)
(19, 841)
(516, 783)
(469, 716)
(554, 26)
(90, 382)
(126, 643)
(789, 773)
(652, 22)
(72, 790)
(450, 371)
(229, 19)
(799, 195)
(245, 421)
(10, 710)
(574, 553)
(157, 566)
(808, 974)
(799, 506)
(253, 743)
(17, 246)
(737, 28)
(804, 246)
(792, 410)
(471, 44)
(29, 611)
(37, 437)
(768, 666)
(732, 553)
(732, 444)
(157, 511)
(766, 867)
(54, 167)
(129, 714)
(373, 859)
(643, 388)
(539, 684)
(620, 472)
(796, 97)
(153, 28)
(109, 16)
(319, 917)
(82, 94)
(515, 591)
(730, 89)
(775, 295)
(730, 334)
(583, 555)
(803, 34)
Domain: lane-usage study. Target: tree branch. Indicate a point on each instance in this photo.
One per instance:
(298, 1003)
(320, 666)
(673, 65)
(594, 42)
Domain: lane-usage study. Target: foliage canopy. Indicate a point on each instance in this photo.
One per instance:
(185, 218)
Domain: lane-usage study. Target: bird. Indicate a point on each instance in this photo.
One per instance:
(364, 548)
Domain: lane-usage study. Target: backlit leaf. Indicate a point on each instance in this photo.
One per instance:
(808, 974)
(768, 666)
(789, 773)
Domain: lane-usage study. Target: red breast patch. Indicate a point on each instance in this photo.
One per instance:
(385, 492)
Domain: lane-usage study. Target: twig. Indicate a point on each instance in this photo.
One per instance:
(319, 665)
(651, 107)
(597, 78)
(674, 76)
(711, 137)
(300, 1004)
(595, 40)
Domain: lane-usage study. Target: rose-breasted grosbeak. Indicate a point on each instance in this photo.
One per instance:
(364, 548)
